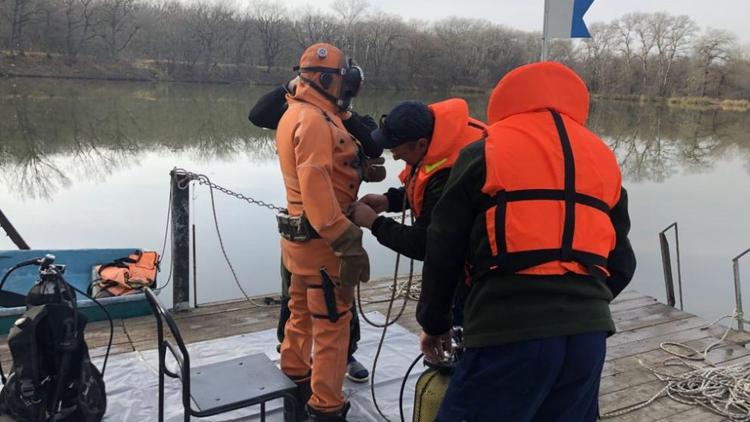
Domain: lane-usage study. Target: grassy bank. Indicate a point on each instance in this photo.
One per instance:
(42, 65)
(689, 103)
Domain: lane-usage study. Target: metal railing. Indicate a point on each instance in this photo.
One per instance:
(738, 290)
(666, 260)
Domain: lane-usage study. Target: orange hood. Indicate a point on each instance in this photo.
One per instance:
(451, 117)
(539, 86)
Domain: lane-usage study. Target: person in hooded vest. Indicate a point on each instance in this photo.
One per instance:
(539, 210)
(266, 114)
(428, 139)
(317, 157)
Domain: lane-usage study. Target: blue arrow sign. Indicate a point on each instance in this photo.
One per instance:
(578, 26)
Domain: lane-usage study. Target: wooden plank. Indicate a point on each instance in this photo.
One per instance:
(628, 295)
(652, 309)
(632, 304)
(658, 330)
(652, 343)
(695, 414)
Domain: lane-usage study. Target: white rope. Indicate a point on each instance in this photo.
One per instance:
(722, 390)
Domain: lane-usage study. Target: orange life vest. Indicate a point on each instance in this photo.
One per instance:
(453, 130)
(127, 275)
(553, 181)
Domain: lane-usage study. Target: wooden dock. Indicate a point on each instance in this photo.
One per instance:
(642, 322)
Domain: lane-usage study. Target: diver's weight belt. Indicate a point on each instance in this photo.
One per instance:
(295, 228)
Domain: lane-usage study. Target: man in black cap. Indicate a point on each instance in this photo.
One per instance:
(428, 138)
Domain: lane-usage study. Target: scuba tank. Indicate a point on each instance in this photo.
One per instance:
(433, 383)
(52, 377)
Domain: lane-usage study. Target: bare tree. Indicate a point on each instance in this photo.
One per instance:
(20, 14)
(713, 47)
(597, 51)
(270, 20)
(116, 24)
(625, 46)
(209, 28)
(351, 12)
(646, 43)
(243, 32)
(78, 25)
(672, 37)
(379, 36)
(314, 26)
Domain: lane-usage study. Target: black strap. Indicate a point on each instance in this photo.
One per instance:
(328, 317)
(501, 206)
(518, 261)
(566, 248)
(317, 69)
(329, 295)
(477, 126)
(320, 90)
(120, 262)
(557, 195)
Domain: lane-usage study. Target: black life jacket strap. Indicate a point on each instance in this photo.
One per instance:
(570, 188)
(519, 261)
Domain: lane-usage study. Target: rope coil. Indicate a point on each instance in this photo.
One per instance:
(724, 390)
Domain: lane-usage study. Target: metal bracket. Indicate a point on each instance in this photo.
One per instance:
(666, 260)
(737, 289)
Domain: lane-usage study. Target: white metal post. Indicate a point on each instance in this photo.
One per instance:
(545, 41)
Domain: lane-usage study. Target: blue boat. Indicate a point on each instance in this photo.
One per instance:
(79, 270)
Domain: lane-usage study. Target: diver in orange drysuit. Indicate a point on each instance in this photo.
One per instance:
(320, 165)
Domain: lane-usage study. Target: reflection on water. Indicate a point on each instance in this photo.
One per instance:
(84, 154)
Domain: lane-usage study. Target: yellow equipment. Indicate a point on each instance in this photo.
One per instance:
(428, 394)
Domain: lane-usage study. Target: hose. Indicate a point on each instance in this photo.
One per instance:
(403, 386)
(388, 322)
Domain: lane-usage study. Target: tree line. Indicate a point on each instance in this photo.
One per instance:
(652, 54)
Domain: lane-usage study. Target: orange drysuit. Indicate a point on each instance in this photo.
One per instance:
(318, 161)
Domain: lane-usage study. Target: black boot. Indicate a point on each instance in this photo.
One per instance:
(338, 416)
(295, 410)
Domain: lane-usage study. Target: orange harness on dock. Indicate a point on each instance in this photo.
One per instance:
(125, 276)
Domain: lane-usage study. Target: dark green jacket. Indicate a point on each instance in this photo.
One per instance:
(409, 240)
(509, 308)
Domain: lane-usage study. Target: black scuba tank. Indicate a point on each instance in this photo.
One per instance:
(52, 377)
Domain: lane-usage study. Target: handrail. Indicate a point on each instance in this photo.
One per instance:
(12, 233)
(667, 265)
(737, 289)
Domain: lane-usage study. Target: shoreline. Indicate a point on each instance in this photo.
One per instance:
(49, 67)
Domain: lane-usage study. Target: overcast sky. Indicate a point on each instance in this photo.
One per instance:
(732, 15)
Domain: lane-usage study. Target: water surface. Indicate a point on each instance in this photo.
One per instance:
(86, 164)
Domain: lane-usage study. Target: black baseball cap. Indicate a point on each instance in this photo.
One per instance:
(407, 122)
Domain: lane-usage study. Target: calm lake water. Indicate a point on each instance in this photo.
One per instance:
(86, 165)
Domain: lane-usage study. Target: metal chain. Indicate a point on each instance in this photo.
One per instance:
(202, 179)
(184, 182)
